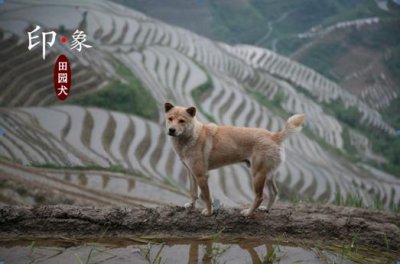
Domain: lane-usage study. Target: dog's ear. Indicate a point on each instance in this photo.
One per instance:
(168, 106)
(191, 110)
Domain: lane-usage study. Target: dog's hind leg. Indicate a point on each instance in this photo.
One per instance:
(259, 176)
(272, 190)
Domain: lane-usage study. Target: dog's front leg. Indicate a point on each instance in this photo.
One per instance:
(205, 193)
(199, 170)
(193, 188)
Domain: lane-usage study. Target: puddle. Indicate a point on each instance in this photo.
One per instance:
(140, 250)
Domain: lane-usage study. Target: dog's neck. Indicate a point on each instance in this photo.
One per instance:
(186, 141)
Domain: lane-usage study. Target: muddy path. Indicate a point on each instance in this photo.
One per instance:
(306, 223)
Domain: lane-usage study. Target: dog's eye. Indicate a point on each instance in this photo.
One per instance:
(181, 121)
(170, 119)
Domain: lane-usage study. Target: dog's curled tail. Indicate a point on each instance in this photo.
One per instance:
(292, 126)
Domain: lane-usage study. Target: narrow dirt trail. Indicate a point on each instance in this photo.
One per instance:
(307, 223)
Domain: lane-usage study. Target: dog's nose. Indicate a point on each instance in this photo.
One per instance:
(171, 131)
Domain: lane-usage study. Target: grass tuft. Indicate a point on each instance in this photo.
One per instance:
(355, 200)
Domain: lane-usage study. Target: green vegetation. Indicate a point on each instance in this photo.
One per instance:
(279, 98)
(351, 250)
(213, 250)
(97, 249)
(349, 115)
(233, 22)
(131, 97)
(200, 93)
(274, 253)
(146, 252)
(288, 18)
(112, 168)
(273, 105)
(382, 143)
(250, 21)
(393, 62)
(381, 41)
(347, 145)
(387, 145)
(323, 56)
(171, 182)
(350, 200)
(349, 153)
(387, 35)
(354, 200)
(32, 247)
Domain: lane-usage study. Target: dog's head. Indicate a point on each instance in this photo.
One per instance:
(179, 120)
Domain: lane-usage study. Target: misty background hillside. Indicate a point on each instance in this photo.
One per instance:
(319, 34)
(243, 63)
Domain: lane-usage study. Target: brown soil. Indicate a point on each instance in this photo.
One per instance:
(308, 223)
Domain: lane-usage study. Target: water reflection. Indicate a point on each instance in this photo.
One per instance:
(169, 251)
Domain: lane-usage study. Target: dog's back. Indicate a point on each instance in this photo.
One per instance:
(231, 145)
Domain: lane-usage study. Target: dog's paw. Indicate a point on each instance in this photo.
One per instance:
(206, 212)
(264, 209)
(245, 212)
(189, 205)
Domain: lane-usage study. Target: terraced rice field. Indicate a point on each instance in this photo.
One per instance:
(172, 63)
(87, 187)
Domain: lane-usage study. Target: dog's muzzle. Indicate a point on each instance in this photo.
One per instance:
(171, 131)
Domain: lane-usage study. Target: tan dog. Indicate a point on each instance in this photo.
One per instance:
(203, 147)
